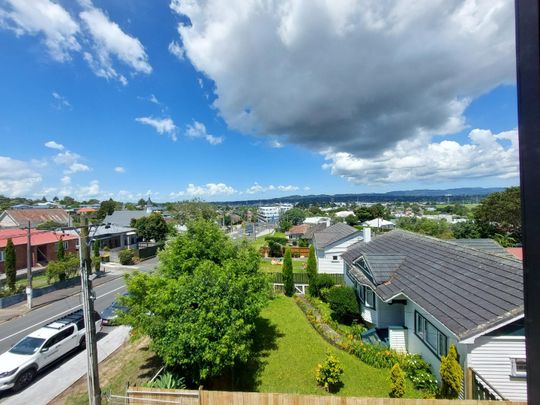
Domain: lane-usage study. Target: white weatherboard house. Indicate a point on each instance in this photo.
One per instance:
(330, 243)
(424, 294)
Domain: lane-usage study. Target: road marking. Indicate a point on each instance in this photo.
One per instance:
(58, 315)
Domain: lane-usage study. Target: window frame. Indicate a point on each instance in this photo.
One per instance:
(2, 256)
(370, 294)
(421, 325)
(515, 373)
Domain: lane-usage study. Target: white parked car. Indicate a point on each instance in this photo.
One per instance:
(20, 364)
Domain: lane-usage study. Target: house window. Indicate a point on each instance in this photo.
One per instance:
(433, 338)
(66, 245)
(1, 255)
(334, 258)
(362, 293)
(370, 298)
(519, 367)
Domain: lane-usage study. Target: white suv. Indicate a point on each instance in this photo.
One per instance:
(20, 364)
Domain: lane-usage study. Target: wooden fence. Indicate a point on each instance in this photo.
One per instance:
(302, 278)
(296, 251)
(141, 395)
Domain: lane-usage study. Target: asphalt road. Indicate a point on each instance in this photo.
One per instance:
(14, 330)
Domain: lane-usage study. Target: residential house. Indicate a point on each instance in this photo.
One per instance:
(424, 294)
(116, 237)
(379, 223)
(19, 218)
(297, 232)
(310, 233)
(44, 246)
(317, 220)
(330, 243)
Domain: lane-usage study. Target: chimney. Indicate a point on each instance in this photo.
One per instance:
(367, 234)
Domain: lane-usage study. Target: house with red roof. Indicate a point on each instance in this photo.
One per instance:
(44, 245)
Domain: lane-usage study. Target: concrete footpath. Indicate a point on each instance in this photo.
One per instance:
(55, 382)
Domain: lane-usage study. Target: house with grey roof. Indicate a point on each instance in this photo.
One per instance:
(330, 243)
(123, 218)
(423, 294)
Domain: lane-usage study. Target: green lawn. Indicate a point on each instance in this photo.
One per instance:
(37, 281)
(289, 349)
(268, 267)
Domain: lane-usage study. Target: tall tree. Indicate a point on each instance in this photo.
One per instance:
(199, 308)
(151, 227)
(60, 252)
(106, 208)
(287, 271)
(500, 213)
(312, 271)
(186, 211)
(294, 216)
(10, 264)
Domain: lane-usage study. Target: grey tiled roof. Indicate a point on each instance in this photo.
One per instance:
(123, 218)
(487, 245)
(313, 229)
(466, 289)
(332, 234)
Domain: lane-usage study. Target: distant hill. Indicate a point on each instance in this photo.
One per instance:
(464, 194)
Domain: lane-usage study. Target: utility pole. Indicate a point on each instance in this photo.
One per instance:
(94, 391)
(29, 265)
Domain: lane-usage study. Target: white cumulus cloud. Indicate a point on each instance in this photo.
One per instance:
(44, 18)
(257, 188)
(119, 169)
(76, 168)
(161, 125)
(206, 190)
(198, 130)
(54, 145)
(17, 177)
(176, 50)
(485, 155)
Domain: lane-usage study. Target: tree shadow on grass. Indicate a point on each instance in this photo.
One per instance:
(246, 376)
(150, 367)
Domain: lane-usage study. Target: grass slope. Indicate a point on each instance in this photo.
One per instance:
(288, 360)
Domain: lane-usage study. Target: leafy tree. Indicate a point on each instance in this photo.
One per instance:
(68, 201)
(106, 208)
(141, 202)
(379, 211)
(60, 252)
(439, 229)
(351, 220)
(466, 230)
(451, 375)
(328, 373)
(151, 227)
(130, 206)
(287, 270)
(294, 216)
(323, 282)
(10, 264)
(500, 213)
(397, 377)
(55, 199)
(95, 247)
(187, 211)
(312, 271)
(199, 307)
(49, 225)
(96, 261)
(363, 214)
(125, 256)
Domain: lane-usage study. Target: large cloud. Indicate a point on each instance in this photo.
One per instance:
(344, 76)
(484, 156)
(17, 177)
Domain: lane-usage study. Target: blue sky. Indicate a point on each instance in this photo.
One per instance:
(241, 101)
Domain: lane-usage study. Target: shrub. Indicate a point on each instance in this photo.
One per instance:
(9, 265)
(126, 256)
(397, 377)
(328, 373)
(323, 281)
(287, 270)
(58, 270)
(274, 249)
(60, 251)
(451, 375)
(343, 304)
(282, 240)
(167, 380)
